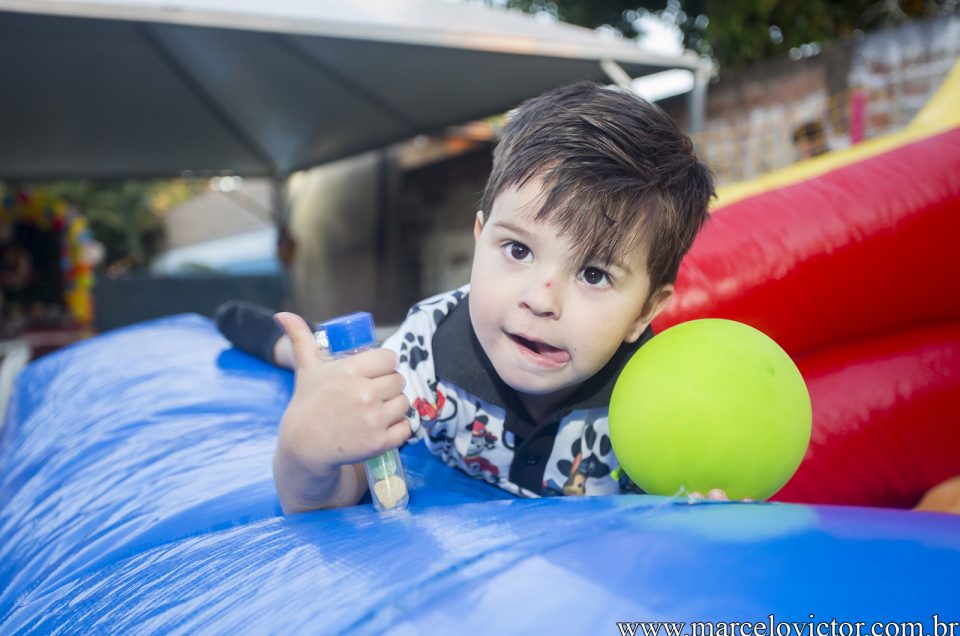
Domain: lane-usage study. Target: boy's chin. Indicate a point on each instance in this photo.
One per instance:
(538, 389)
(533, 383)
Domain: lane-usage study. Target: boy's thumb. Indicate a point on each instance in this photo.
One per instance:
(304, 345)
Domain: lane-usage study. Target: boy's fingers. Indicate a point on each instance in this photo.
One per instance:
(374, 363)
(304, 344)
(398, 434)
(717, 494)
(395, 410)
(389, 386)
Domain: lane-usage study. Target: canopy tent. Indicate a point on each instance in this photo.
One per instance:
(125, 88)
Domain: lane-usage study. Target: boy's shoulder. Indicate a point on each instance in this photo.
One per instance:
(437, 307)
(413, 339)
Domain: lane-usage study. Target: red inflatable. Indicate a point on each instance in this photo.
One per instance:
(885, 419)
(856, 273)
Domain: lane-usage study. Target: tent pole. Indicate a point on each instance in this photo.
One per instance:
(279, 207)
(697, 98)
(286, 245)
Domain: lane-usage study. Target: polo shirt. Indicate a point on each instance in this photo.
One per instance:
(473, 421)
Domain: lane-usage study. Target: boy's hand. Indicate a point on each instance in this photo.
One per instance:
(341, 412)
(715, 494)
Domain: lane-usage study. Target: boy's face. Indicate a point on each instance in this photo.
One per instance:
(546, 322)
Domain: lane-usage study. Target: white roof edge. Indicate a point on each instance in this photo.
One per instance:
(568, 41)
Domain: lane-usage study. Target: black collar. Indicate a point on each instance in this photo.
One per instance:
(460, 360)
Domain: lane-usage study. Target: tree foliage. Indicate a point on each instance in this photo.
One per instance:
(743, 31)
(737, 32)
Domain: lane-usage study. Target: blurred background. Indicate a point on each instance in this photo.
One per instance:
(160, 158)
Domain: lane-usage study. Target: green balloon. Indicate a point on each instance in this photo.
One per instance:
(710, 404)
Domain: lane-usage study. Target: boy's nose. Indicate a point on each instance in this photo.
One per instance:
(542, 299)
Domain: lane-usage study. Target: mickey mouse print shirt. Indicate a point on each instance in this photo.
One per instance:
(474, 422)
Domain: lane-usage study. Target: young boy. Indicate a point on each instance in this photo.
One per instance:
(594, 197)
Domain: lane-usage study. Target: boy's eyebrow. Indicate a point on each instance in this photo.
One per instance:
(510, 227)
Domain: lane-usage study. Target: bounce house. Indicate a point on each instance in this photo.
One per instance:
(850, 262)
(135, 468)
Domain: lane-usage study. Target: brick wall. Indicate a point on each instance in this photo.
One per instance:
(752, 113)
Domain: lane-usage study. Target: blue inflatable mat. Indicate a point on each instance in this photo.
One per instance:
(136, 496)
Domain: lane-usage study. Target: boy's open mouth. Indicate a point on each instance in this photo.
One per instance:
(542, 349)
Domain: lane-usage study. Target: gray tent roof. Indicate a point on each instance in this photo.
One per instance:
(112, 88)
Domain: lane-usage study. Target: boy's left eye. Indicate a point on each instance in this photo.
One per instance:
(517, 251)
(594, 277)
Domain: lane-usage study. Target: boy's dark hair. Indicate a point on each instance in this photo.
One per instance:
(613, 154)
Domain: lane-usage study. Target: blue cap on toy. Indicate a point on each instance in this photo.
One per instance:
(353, 331)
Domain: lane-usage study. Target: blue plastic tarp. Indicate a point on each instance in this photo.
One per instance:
(136, 496)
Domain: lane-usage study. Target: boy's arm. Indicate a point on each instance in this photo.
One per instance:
(341, 412)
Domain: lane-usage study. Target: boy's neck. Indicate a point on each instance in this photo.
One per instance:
(540, 407)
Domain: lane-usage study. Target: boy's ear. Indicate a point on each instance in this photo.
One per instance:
(478, 225)
(658, 301)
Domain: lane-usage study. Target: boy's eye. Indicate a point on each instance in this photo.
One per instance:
(517, 251)
(594, 277)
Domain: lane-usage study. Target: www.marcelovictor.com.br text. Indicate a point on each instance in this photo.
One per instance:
(934, 626)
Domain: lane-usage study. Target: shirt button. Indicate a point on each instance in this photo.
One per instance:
(530, 460)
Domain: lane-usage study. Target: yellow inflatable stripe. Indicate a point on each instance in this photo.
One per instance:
(941, 113)
(943, 110)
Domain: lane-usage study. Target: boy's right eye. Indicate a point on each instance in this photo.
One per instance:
(517, 251)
